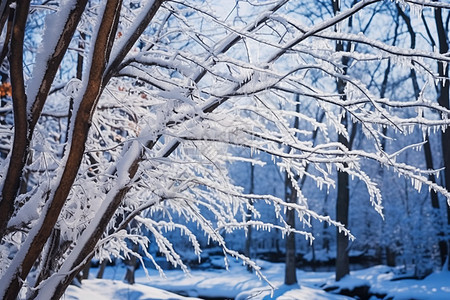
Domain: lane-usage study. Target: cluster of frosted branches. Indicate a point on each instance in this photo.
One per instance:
(195, 86)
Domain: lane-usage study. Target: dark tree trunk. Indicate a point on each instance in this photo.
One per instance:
(343, 200)
(390, 253)
(390, 257)
(248, 238)
(342, 207)
(86, 270)
(442, 245)
(19, 100)
(80, 132)
(132, 265)
(443, 100)
(290, 276)
(343, 193)
(101, 269)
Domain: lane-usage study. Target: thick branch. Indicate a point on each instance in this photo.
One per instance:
(7, 18)
(125, 47)
(53, 62)
(30, 251)
(17, 160)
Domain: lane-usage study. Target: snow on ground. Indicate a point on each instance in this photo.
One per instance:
(240, 284)
(434, 287)
(106, 289)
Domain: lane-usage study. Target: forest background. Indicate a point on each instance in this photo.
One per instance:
(307, 129)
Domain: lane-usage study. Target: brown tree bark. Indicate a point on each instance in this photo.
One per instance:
(31, 250)
(81, 257)
(7, 18)
(86, 252)
(17, 161)
(24, 126)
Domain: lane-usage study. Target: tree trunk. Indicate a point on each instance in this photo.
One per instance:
(443, 100)
(342, 207)
(19, 100)
(343, 200)
(6, 17)
(290, 276)
(24, 124)
(132, 265)
(343, 193)
(442, 245)
(101, 269)
(248, 238)
(30, 251)
(390, 257)
(326, 236)
(86, 270)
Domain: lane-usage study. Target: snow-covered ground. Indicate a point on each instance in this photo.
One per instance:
(238, 283)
